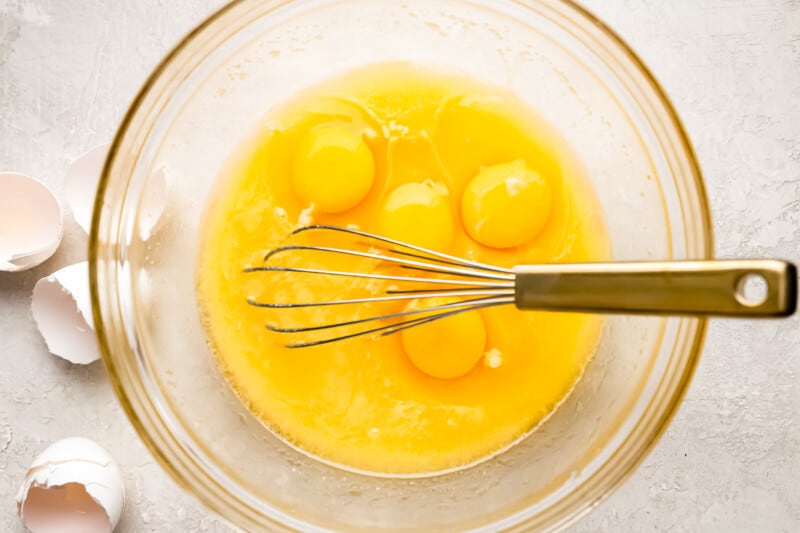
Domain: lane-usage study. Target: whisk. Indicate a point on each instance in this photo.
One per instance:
(695, 288)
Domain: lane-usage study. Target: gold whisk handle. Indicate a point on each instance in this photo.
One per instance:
(707, 288)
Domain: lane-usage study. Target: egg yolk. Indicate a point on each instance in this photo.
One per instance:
(506, 205)
(333, 168)
(447, 348)
(420, 214)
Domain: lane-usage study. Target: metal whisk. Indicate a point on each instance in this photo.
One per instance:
(697, 288)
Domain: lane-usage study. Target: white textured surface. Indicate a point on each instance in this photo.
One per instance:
(731, 459)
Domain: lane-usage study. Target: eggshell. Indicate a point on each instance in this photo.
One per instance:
(80, 184)
(80, 187)
(30, 222)
(62, 309)
(74, 486)
(153, 203)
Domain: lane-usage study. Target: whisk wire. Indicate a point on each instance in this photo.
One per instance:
(400, 326)
(387, 277)
(428, 253)
(375, 299)
(407, 263)
(473, 285)
(411, 312)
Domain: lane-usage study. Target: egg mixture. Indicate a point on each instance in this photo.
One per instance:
(426, 157)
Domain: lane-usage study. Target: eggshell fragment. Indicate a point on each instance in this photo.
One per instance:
(62, 310)
(80, 184)
(30, 222)
(80, 187)
(74, 486)
(153, 203)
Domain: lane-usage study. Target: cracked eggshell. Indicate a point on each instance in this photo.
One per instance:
(80, 188)
(30, 222)
(74, 486)
(62, 309)
(80, 184)
(153, 203)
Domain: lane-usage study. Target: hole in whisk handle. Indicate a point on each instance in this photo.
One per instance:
(752, 290)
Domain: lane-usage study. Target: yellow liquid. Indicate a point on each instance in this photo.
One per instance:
(362, 403)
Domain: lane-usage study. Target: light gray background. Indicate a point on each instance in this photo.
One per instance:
(730, 461)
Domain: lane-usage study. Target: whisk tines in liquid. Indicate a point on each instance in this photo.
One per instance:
(695, 288)
(466, 285)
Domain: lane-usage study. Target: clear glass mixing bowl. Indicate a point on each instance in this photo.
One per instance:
(212, 89)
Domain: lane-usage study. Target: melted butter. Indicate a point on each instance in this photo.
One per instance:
(363, 403)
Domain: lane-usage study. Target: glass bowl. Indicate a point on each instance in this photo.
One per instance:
(210, 92)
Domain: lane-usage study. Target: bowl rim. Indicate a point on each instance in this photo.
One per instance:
(229, 513)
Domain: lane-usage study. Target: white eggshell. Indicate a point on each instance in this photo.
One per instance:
(74, 486)
(62, 309)
(80, 189)
(80, 184)
(30, 222)
(153, 203)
